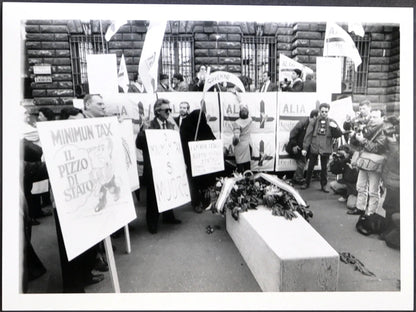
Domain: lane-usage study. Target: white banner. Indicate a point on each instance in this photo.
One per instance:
(150, 55)
(293, 106)
(128, 141)
(89, 180)
(168, 168)
(206, 156)
(222, 76)
(262, 109)
(102, 73)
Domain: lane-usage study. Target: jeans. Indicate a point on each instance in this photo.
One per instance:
(368, 186)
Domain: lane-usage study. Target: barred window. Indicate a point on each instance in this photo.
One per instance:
(177, 56)
(258, 56)
(356, 81)
(80, 46)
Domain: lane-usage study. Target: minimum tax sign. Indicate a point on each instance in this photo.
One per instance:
(86, 164)
(168, 168)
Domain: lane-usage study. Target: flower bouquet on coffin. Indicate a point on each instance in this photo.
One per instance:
(248, 191)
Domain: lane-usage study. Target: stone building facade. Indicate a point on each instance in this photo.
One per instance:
(216, 44)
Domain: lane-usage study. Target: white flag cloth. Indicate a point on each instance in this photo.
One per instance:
(149, 59)
(357, 28)
(123, 76)
(287, 65)
(113, 28)
(339, 43)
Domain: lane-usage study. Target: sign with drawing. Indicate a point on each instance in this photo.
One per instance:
(88, 175)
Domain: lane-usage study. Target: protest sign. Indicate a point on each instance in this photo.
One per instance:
(328, 77)
(206, 157)
(340, 109)
(129, 147)
(102, 73)
(89, 180)
(219, 77)
(168, 168)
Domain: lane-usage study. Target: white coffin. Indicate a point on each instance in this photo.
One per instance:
(284, 255)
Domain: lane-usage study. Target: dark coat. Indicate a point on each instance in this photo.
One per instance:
(197, 184)
(309, 86)
(297, 134)
(297, 86)
(188, 129)
(320, 144)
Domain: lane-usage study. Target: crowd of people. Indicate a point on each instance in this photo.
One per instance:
(364, 156)
(179, 83)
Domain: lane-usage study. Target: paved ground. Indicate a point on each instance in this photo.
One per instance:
(184, 258)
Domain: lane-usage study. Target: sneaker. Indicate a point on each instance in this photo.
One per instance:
(342, 199)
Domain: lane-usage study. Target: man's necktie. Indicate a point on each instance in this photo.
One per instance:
(164, 125)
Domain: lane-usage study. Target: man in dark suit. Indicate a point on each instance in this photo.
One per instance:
(164, 84)
(267, 85)
(183, 113)
(297, 84)
(161, 110)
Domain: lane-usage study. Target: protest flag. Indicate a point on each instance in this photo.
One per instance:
(357, 28)
(123, 76)
(287, 65)
(339, 43)
(113, 28)
(149, 58)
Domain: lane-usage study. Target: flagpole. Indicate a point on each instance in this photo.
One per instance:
(102, 36)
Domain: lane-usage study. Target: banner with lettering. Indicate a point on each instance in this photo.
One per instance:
(286, 67)
(206, 157)
(293, 106)
(168, 168)
(262, 110)
(88, 175)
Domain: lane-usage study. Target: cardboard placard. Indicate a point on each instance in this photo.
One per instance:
(206, 156)
(168, 168)
(89, 180)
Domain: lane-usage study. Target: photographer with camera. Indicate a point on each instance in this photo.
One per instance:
(319, 137)
(358, 123)
(370, 164)
(340, 164)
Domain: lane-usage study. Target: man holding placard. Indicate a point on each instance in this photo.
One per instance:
(161, 110)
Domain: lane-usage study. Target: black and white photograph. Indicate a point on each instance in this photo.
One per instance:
(207, 156)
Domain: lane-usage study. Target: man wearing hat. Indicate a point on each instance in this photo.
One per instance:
(297, 84)
(163, 84)
(161, 121)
